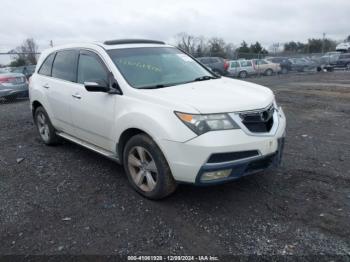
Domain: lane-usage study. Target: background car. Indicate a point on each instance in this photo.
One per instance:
(262, 66)
(284, 63)
(12, 85)
(240, 68)
(27, 70)
(342, 62)
(218, 65)
(302, 64)
(330, 57)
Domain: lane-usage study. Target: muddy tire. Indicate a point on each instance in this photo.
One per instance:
(147, 169)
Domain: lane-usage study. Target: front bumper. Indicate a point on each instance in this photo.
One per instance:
(190, 159)
(244, 167)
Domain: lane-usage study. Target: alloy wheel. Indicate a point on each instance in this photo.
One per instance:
(43, 126)
(142, 168)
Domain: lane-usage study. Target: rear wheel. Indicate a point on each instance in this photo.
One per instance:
(242, 74)
(46, 130)
(269, 72)
(147, 169)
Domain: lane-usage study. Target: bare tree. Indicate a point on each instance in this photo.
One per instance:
(217, 47)
(26, 52)
(186, 42)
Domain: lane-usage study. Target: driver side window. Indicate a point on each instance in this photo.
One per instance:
(91, 68)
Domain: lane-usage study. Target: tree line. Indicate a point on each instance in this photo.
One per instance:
(199, 46)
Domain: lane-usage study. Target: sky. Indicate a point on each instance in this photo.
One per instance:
(266, 21)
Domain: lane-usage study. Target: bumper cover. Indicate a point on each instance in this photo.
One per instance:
(243, 167)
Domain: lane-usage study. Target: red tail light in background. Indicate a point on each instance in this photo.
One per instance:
(226, 65)
(6, 79)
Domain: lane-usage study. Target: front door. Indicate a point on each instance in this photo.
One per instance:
(93, 112)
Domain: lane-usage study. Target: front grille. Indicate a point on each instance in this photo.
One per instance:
(259, 121)
(231, 156)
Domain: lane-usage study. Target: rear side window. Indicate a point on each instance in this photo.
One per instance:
(45, 69)
(246, 63)
(65, 64)
(91, 68)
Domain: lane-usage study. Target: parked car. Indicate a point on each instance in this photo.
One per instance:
(302, 64)
(12, 85)
(160, 113)
(218, 65)
(27, 70)
(265, 67)
(342, 62)
(329, 57)
(284, 63)
(240, 68)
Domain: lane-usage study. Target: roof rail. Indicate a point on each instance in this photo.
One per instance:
(132, 41)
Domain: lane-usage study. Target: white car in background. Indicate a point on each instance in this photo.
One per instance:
(240, 68)
(157, 111)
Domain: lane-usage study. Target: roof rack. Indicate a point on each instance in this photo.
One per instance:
(132, 41)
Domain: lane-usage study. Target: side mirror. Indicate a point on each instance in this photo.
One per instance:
(111, 87)
(97, 86)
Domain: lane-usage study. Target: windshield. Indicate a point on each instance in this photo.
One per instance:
(156, 67)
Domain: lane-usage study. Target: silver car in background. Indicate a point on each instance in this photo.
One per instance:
(12, 85)
(240, 68)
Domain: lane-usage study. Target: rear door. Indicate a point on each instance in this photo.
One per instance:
(59, 88)
(93, 112)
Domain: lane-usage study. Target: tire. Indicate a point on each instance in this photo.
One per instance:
(268, 72)
(147, 169)
(46, 130)
(242, 74)
(347, 66)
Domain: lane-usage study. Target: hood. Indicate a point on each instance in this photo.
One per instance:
(217, 95)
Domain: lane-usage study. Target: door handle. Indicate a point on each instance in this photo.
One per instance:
(77, 96)
(46, 86)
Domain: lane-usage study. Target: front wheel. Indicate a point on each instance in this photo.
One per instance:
(147, 169)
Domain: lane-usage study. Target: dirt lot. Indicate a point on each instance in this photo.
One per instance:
(68, 200)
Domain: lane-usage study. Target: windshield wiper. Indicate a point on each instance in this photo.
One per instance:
(153, 87)
(203, 78)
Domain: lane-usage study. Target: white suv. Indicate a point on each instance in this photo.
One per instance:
(156, 110)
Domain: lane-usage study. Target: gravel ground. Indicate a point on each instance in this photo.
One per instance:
(68, 200)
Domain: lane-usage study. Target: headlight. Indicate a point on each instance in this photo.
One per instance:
(201, 124)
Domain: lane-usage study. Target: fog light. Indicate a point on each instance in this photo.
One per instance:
(216, 175)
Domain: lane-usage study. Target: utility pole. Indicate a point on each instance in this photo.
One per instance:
(323, 42)
(51, 43)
